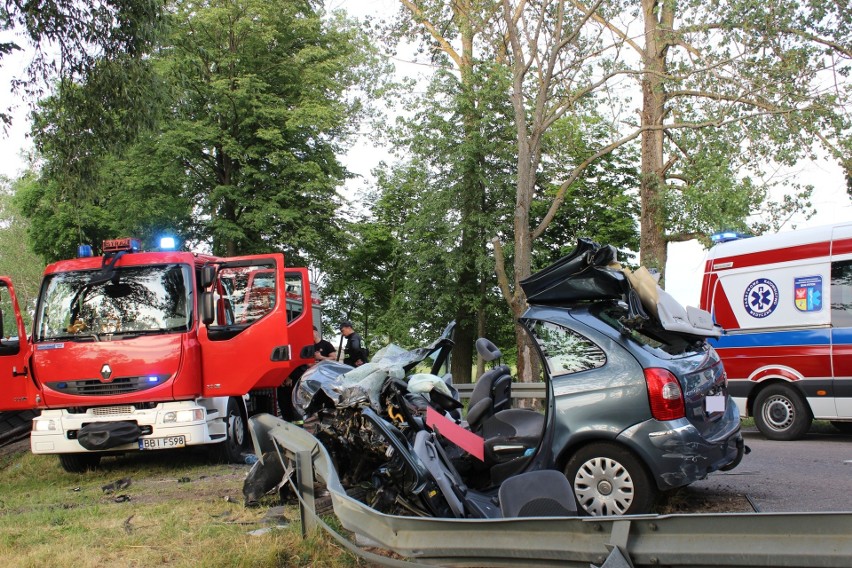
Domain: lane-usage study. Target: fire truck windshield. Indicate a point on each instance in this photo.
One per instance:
(136, 300)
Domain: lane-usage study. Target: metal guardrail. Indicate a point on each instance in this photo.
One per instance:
(754, 540)
(519, 390)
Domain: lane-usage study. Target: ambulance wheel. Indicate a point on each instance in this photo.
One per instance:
(780, 413)
(79, 463)
(231, 450)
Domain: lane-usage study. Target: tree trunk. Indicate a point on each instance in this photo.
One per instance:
(652, 244)
(480, 327)
(467, 283)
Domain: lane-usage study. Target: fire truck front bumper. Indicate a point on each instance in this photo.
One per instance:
(125, 428)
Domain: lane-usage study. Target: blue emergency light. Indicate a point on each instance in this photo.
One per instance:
(725, 236)
(84, 251)
(168, 243)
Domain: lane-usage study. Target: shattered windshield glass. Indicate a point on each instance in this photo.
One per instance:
(135, 300)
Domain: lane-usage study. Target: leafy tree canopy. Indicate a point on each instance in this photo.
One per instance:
(69, 38)
(250, 104)
(16, 259)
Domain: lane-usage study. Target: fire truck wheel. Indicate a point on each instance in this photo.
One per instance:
(79, 463)
(780, 413)
(231, 450)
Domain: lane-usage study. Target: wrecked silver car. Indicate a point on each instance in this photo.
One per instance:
(636, 403)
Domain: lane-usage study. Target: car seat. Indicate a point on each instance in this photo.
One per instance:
(493, 390)
(511, 434)
(545, 493)
(511, 437)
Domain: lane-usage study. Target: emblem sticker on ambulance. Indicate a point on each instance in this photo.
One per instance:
(808, 293)
(761, 298)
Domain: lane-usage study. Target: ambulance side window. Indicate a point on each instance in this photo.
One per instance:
(841, 293)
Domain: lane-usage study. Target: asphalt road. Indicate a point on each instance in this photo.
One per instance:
(809, 475)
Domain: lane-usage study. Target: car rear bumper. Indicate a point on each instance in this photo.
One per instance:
(678, 454)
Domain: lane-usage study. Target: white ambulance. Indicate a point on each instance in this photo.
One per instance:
(785, 302)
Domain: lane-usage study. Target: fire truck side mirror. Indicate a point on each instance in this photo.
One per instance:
(208, 312)
(208, 276)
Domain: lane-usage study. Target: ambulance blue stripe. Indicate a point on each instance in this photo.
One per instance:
(843, 335)
(780, 338)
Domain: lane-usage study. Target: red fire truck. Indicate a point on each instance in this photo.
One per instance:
(139, 350)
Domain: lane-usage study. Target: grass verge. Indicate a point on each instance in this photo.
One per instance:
(168, 509)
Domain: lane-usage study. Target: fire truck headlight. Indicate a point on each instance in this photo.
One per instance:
(184, 416)
(45, 425)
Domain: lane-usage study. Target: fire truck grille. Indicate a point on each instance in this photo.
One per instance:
(96, 387)
(112, 410)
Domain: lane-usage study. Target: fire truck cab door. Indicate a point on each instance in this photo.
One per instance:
(248, 343)
(17, 389)
(301, 318)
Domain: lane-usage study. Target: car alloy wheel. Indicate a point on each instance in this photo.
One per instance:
(609, 480)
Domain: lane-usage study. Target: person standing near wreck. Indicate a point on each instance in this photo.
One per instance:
(354, 354)
(323, 349)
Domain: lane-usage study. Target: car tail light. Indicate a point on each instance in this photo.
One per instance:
(664, 394)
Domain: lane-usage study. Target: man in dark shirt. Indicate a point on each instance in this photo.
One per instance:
(323, 350)
(354, 354)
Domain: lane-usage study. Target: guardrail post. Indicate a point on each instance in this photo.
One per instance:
(305, 483)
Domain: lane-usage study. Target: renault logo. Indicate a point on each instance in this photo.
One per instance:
(106, 372)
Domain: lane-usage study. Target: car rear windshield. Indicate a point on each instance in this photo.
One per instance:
(648, 333)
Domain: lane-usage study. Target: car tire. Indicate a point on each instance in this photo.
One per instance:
(79, 463)
(780, 413)
(608, 479)
(236, 442)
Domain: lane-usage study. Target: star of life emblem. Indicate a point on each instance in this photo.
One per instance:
(760, 298)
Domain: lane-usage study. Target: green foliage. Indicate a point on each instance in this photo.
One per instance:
(602, 204)
(70, 40)
(426, 207)
(750, 85)
(16, 260)
(430, 218)
(262, 108)
(250, 103)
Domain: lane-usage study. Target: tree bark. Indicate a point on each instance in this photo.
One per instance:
(659, 19)
(468, 289)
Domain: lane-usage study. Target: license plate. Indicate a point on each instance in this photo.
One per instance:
(162, 443)
(715, 403)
